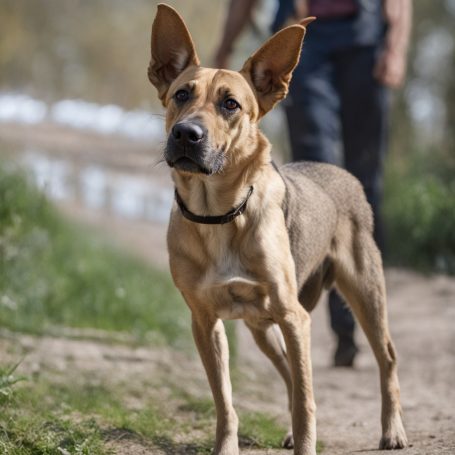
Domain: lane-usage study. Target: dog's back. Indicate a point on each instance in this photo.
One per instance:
(330, 198)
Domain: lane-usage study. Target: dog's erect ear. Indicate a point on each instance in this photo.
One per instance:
(172, 49)
(269, 69)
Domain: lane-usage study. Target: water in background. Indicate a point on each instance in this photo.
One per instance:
(82, 115)
(97, 187)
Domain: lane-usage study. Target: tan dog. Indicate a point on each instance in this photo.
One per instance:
(246, 241)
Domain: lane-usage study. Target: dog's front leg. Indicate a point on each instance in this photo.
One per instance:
(211, 341)
(295, 323)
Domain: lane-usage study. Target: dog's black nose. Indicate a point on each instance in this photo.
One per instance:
(187, 133)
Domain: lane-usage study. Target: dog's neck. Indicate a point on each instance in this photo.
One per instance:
(219, 193)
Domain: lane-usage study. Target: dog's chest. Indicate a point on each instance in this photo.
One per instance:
(233, 292)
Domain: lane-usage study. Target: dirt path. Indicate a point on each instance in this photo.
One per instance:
(422, 316)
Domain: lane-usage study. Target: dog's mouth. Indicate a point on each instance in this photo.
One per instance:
(186, 164)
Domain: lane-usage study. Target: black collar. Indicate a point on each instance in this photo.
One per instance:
(221, 219)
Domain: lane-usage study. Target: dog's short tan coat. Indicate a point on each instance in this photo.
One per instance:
(304, 229)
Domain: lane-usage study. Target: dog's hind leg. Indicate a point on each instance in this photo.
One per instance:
(270, 341)
(360, 278)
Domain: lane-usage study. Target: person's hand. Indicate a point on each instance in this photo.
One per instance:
(390, 68)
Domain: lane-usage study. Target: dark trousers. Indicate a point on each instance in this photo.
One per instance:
(335, 104)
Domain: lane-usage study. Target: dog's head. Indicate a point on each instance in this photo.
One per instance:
(212, 114)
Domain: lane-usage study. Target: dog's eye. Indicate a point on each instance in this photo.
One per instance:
(231, 104)
(181, 96)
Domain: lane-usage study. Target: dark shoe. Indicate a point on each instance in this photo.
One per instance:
(346, 352)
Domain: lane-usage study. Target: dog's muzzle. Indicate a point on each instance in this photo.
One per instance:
(187, 149)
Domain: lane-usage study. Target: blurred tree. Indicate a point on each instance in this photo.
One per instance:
(94, 50)
(425, 110)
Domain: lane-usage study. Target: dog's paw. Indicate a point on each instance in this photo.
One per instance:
(395, 441)
(395, 436)
(288, 441)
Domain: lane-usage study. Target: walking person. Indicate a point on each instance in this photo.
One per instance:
(339, 98)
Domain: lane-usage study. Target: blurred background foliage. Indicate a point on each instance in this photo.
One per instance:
(92, 50)
(99, 51)
(54, 273)
(420, 179)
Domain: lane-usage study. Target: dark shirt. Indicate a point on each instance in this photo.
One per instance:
(330, 9)
(364, 26)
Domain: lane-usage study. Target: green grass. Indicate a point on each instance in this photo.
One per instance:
(260, 430)
(46, 417)
(46, 435)
(419, 210)
(53, 273)
(8, 380)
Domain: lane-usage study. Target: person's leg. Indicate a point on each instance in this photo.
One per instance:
(313, 109)
(313, 115)
(364, 116)
(343, 324)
